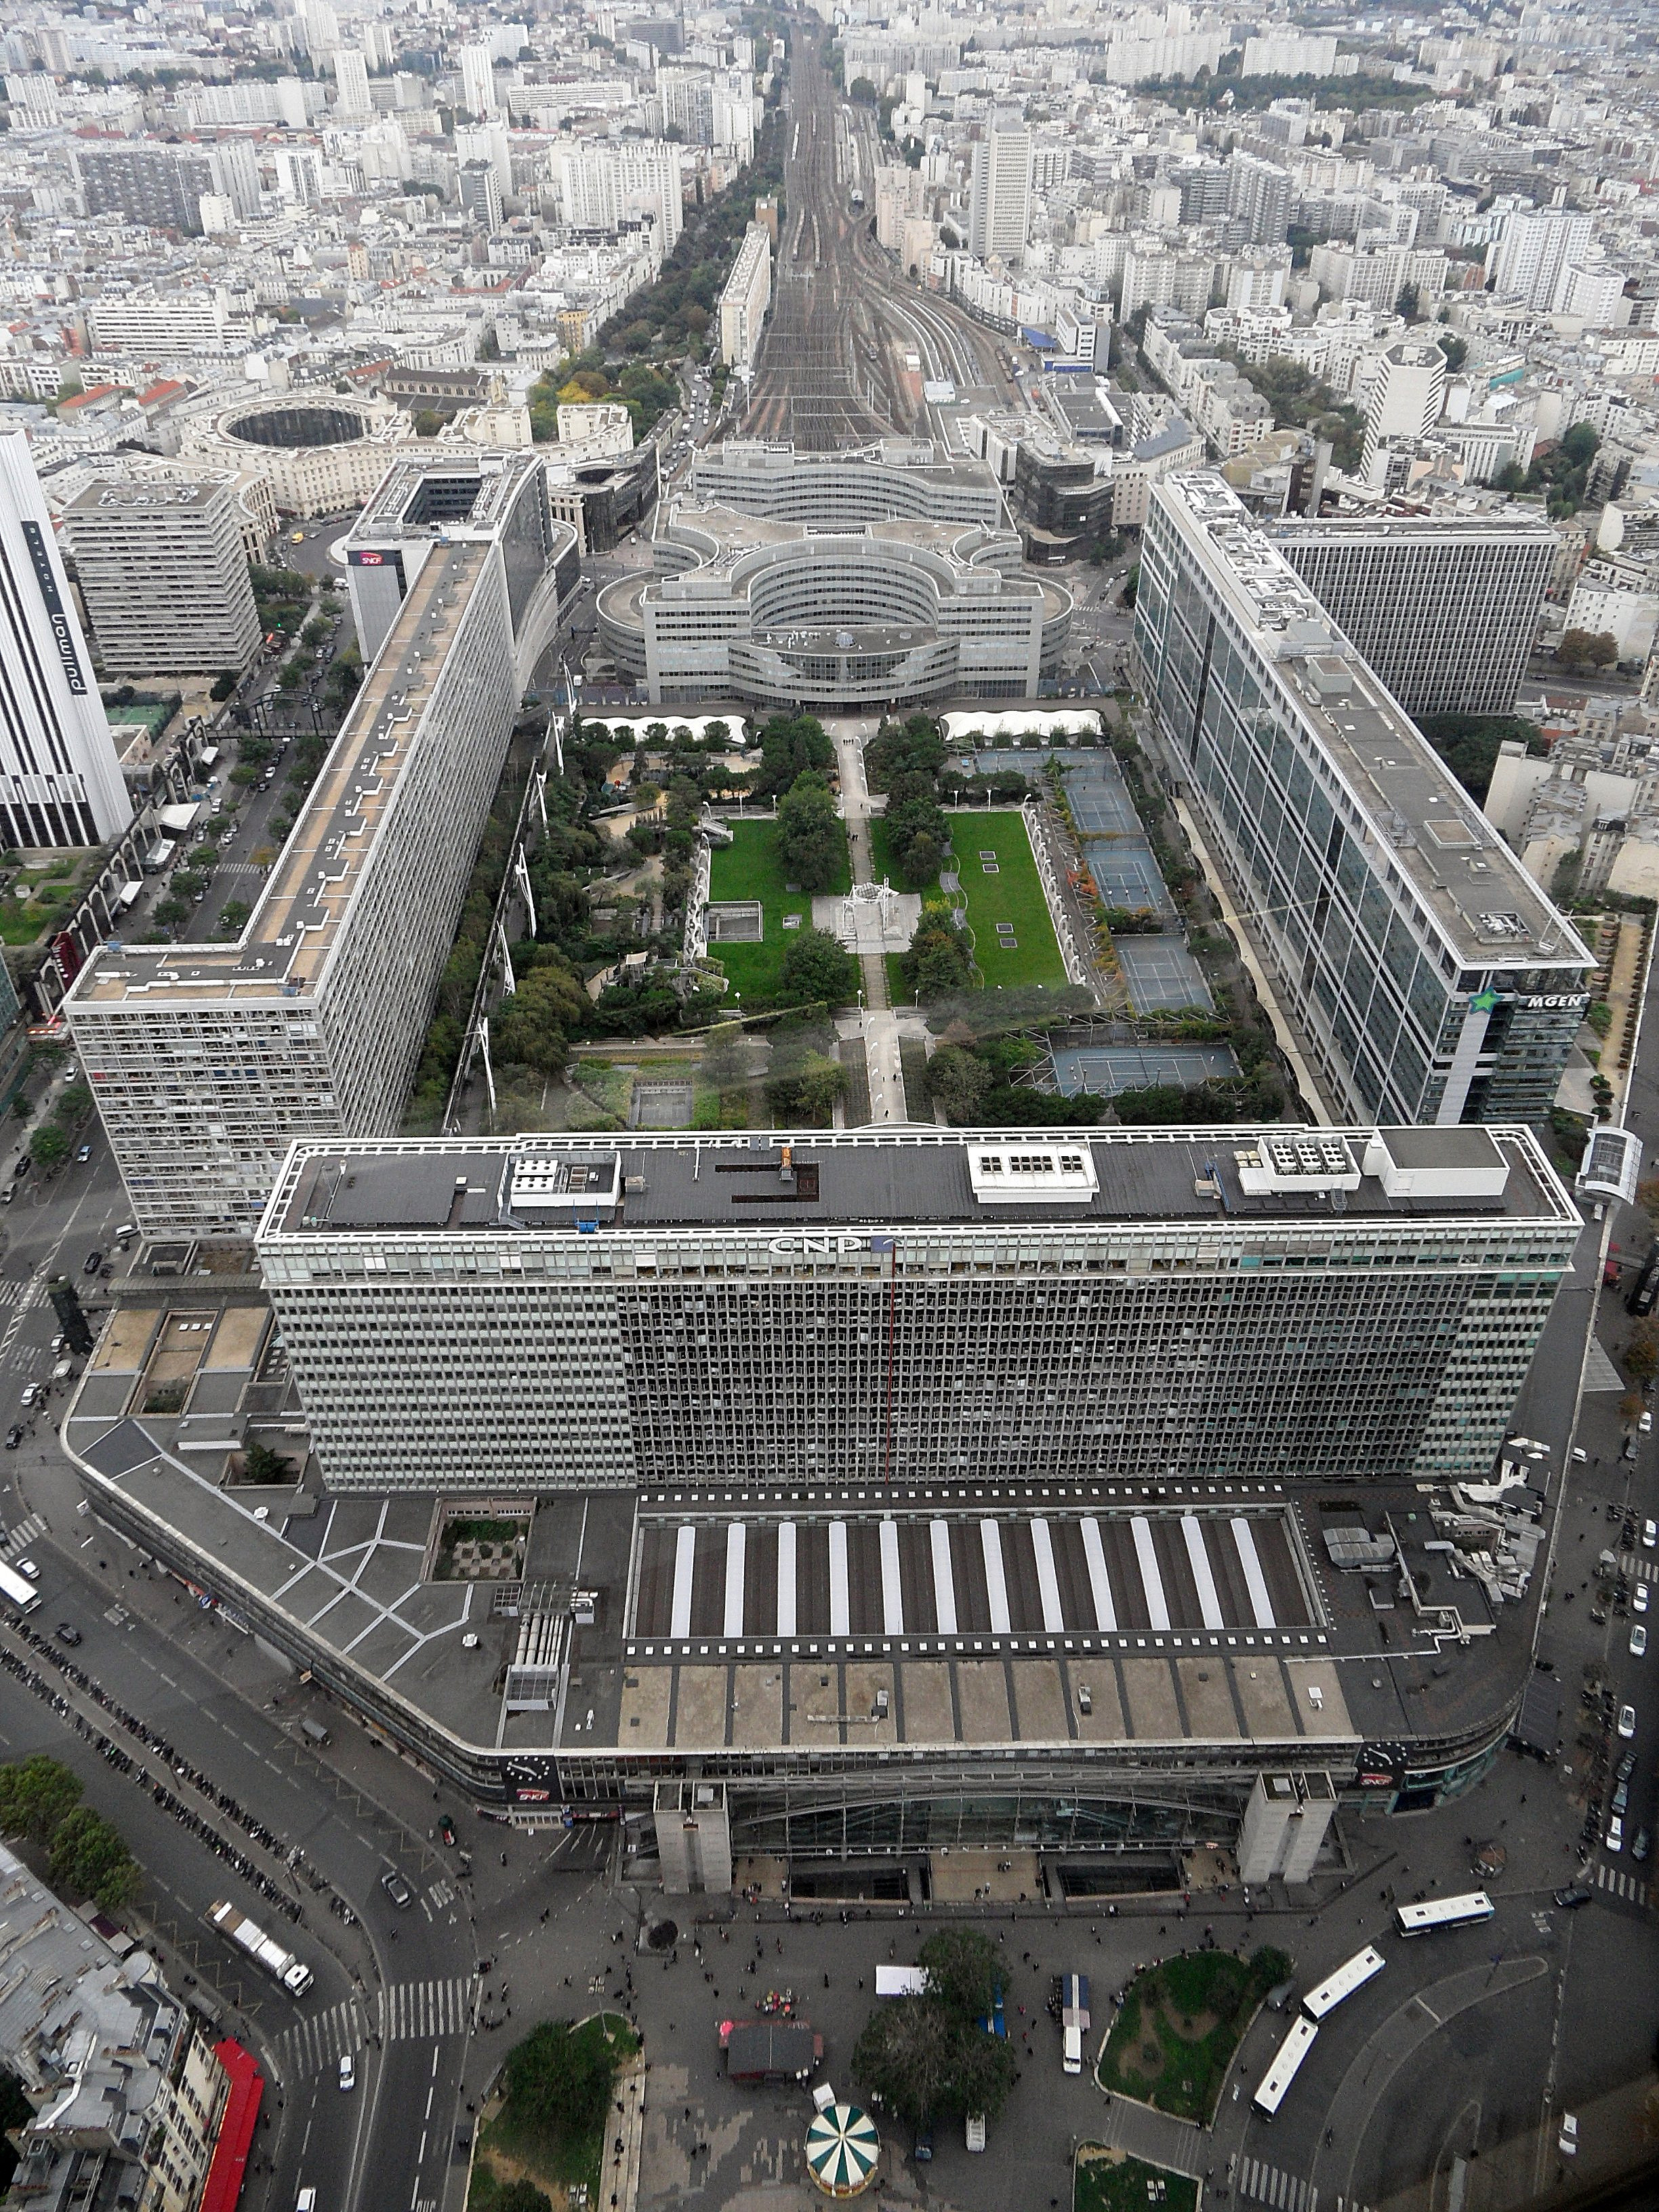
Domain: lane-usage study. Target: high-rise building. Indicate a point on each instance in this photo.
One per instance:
(60, 781)
(604, 185)
(1258, 199)
(164, 576)
(478, 82)
(746, 298)
(1401, 588)
(940, 1307)
(999, 195)
(160, 186)
(1527, 260)
(352, 79)
(480, 192)
(207, 1059)
(1407, 395)
(1430, 979)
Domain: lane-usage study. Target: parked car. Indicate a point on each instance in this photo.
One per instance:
(1567, 2142)
(1570, 1899)
(92, 1263)
(67, 1632)
(446, 1829)
(1627, 1721)
(1638, 1640)
(397, 1889)
(1614, 1839)
(13, 1435)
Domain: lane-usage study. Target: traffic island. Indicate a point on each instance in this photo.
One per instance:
(550, 2125)
(1179, 2025)
(1108, 2180)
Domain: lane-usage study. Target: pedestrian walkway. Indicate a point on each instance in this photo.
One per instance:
(1271, 2184)
(409, 2011)
(1630, 1887)
(1156, 2137)
(20, 1538)
(1642, 1565)
(315, 2046)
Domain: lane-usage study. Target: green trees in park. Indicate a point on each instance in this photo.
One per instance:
(923, 2056)
(811, 836)
(819, 969)
(39, 1800)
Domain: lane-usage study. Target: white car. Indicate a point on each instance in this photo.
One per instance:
(348, 2071)
(1615, 1836)
(1645, 1425)
(1627, 1721)
(28, 1567)
(1639, 1597)
(1567, 2142)
(1649, 1534)
(1638, 1641)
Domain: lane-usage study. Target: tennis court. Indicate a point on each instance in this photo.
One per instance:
(1160, 972)
(1105, 1070)
(1126, 875)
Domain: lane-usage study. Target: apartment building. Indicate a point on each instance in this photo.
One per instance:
(1401, 588)
(745, 297)
(917, 1307)
(1407, 393)
(148, 324)
(604, 186)
(164, 575)
(1430, 979)
(60, 781)
(207, 1060)
(999, 196)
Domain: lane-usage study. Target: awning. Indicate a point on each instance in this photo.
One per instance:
(225, 2176)
(842, 2148)
(178, 819)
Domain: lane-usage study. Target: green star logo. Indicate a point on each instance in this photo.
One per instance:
(1483, 1001)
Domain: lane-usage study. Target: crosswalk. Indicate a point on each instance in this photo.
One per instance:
(20, 1538)
(408, 2010)
(1630, 1887)
(1270, 2184)
(314, 2046)
(1641, 1566)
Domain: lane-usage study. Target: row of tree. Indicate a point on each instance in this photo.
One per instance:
(40, 1802)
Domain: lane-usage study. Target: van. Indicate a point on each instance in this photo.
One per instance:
(1071, 2049)
(314, 1732)
(973, 2131)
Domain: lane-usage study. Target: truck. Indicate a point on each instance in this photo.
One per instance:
(281, 1965)
(1073, 2019)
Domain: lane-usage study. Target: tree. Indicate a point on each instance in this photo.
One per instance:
(1455, 349)
(962, 1971)
(1583, 649)
(559, 2081)
(520, 2195)
(957, 1081)
(724, 1061)
(817, 966)
(807, 1090)
(811, 836)
(533, 1024)
(233, 916)
(924, 2055)
(261, 1464)
(170, 912)
(49, 1145)
(1409, 304)
(90, 1855)
(789, 744)
(36, 1793)
(223, 684)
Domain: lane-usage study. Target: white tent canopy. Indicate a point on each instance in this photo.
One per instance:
(1020, 722)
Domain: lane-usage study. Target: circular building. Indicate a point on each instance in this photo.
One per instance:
(842, 2150)
(319, 455)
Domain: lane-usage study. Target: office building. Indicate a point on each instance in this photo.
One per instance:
(157, 325)
(1134, 1306)
(999, 196)
(835, 580)
(1528, 261)
(604, 186)
(745, 297)
(1430, 978)
(130, 2102)
(60, 782)
(164, 576)
(1401, 589)
(1406, 394)
(352, 103)
(206, 1060)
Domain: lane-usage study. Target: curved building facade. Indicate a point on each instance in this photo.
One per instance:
(318, 455)
(896, 480)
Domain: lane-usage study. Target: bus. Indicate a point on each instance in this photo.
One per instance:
(1352, 1975)
(1283, 2071)
(1445, 1913)
(1645, 1290)
(16, 1591)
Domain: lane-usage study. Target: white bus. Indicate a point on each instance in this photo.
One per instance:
(1283, 2071)
(17, 1590)
(1352, 1975)
(1445, 1913)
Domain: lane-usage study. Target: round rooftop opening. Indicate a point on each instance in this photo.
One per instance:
(300, 425)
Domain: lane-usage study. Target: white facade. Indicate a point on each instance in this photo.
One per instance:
(746, 298)
(478, 81)
(1526, 262)
(164, 576)
(1407, 395)
(352, 79)
(164, 323)
(60, 781)
(999, 196)
(603, 186)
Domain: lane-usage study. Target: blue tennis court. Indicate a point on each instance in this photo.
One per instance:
(1104, 1070)
(1127, 874)
(1160, 972)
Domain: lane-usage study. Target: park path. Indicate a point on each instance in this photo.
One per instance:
(855, 807)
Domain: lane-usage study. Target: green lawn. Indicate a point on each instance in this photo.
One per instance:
(1174, 2038)
(509, 2150)
(1014, 894)
(748, 868)
(1112, 2181)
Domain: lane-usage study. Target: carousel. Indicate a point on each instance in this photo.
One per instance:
(842, 2150)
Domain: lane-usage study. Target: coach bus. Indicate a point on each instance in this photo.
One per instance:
(16, 1591)
(1283, 2071)
(1352, 1975)
(1445, 1913)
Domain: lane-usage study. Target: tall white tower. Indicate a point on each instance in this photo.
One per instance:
(999, 202)
(60, 781)
(478, 82)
